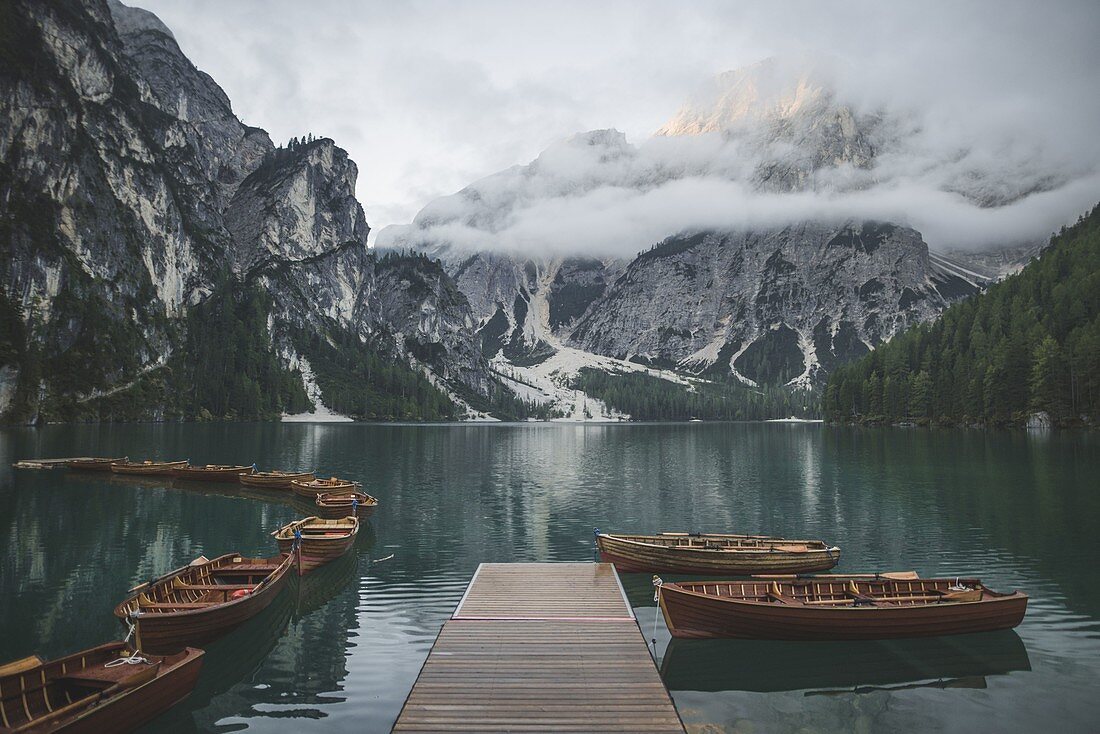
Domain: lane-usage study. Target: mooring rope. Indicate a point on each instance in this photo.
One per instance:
(657, 584)
(134, 659)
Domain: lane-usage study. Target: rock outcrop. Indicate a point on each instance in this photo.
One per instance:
(130, 193)
(771, 306)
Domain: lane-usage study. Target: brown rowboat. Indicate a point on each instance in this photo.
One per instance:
(92, 691)
(836, 608)
(732, 555)
(274, 479)
(311, 488)
(345, 504)
(320, 540)
(198, 603)
(93, 464)
(213, 472)
(147, 467)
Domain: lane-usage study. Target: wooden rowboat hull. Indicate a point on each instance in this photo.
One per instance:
(697, 616)
(103, 465)
(115, 710)
(161, 469)
(166, 633)
(363, 512)
(144, 703)
(335, 505)
(317, 552)
(311, 492)
(251, 480)
(641, 558)
(228, 474)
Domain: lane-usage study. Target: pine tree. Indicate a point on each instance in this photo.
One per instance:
(1048, 378)
(1031, 342)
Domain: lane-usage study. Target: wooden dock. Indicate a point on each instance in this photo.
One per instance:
(537, 647)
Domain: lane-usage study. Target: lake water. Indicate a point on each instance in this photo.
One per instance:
(340, 652)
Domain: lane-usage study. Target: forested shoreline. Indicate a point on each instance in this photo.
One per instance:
(648, 398)
(1027, 349)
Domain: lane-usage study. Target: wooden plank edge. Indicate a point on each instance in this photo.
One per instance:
(469, 587)
(622, 593)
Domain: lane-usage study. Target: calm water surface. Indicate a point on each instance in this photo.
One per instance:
(340, 651)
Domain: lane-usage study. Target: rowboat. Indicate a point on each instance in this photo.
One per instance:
(344, 504)
(313, 487)
(147, 467)
(274, 479)
(733, 555)
(95, 690)
(200, 602)
(212, 472)
(319, 540)
(861, 607)
(93, 464)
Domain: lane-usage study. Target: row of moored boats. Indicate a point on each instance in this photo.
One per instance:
(766, 595)
(333, 497)
(121, 685)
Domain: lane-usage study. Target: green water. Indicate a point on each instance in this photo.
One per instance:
(340, 652)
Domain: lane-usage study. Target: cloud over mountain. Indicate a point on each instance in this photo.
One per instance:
(775, 143)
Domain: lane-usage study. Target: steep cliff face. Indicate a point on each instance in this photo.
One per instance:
(773, 306)
(297, 204)
(431, 320)
(99, 231)
(131, 195)
(298, 229)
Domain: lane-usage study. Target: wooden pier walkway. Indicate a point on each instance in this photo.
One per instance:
(538, 647)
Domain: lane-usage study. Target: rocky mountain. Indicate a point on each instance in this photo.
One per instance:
(782, 305)
(567, 251)
(139, 216)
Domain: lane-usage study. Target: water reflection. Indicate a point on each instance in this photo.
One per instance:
(1019, 513)
(231, 662)
(816, 667)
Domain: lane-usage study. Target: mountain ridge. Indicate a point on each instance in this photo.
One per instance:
(137, 209)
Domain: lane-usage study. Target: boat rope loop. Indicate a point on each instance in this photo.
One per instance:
(134, 659)
(658, 582)
(354, 506)
(297, 538)
(132, 627)
(959, 586)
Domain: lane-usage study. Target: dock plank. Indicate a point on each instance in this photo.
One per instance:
(540, 647)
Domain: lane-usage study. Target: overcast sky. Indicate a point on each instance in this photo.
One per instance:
(429, 96)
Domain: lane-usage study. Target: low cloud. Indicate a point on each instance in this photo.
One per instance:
(428, 96)
(597, 194)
